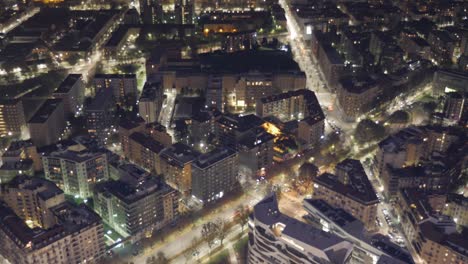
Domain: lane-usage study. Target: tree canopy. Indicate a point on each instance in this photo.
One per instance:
(368, 131)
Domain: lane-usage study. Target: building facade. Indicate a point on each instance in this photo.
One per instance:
(48, 123)
(214, 174)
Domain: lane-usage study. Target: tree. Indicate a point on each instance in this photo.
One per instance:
(73, 59)
(128, 68)
(208, 233)
(307, 172)
(161, 258)
(222, 227)
(243, 215)
(399, 117)
(368, 131)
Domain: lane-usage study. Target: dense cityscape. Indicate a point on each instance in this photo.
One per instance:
(233, 132)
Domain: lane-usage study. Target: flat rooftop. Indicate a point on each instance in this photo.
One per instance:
(147, 142)
(45, 111)
(68, 83)
(208, 159)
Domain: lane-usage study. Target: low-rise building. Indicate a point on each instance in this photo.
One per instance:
(137, 204)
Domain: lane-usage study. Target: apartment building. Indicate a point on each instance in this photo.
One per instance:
(214, 174)
(71, 91)
(349, 189)
(123, 86)
(176, 166)
(76, 169)
(137, 204)
(47, 229)
(144, 150)
(48, 123)
(12, 119)
(150, 102)
(31, 198)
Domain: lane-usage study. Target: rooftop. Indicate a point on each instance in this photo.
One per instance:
(358, 186)
(77, 153)
(134, 187)
(358, 84)
(241, 123)
(267, 212)
(45, 189)
(47, 109)
(115, 76)
(147, 142)
(150, 91)
(208, 159)
(68, 83)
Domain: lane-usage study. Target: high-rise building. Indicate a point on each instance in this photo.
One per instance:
(48, 123)
(71, 91)
(215, 174)
(434, 236)
(455, 106)
(100, 116)
(128, 127)
(231, 129)
(12, 119)
(256, 153)
(184, 11)
(356, 95)
(301, 105)
(349, 189)
(159, 133)
(342, 224)
(31, 198)
(176, 166)
(42, 228)
(151, 102)
(123, 86)
(151, 11)
(277, 238)
(137, 204)
(76, 169)
(445, 81)
(144, 150)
